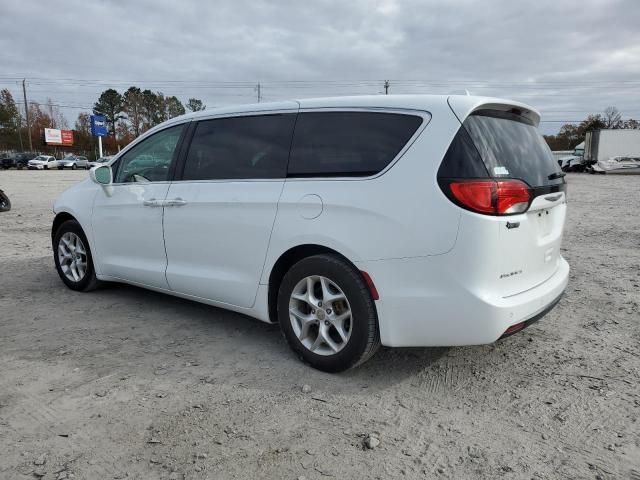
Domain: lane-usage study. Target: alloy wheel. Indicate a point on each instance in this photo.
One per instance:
(72, 256)
(320, 315)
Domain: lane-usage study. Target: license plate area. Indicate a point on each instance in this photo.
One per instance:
(544, 224)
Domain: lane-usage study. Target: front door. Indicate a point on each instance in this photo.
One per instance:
(127, 215)
(222, 211)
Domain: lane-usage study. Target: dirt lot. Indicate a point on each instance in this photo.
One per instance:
(125, 383)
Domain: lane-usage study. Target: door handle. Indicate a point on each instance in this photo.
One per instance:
(176, 202)
(152, 202)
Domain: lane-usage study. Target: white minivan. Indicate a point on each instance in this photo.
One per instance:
(352, 222)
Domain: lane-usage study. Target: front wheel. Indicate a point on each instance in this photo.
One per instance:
(73, 167)
(72, 257)
(326, 313)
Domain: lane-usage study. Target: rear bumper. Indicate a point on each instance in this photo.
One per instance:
(522, 325)
(423, 304)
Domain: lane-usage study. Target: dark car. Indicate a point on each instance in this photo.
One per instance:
(17, 160)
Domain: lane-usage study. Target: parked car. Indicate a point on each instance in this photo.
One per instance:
(17, 160)
(42, 162)
(99, 161)
(352, 222)
(6, 160)
(74, 163)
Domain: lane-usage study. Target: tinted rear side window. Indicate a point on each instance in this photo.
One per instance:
(240, 148)
(462, 159)
(348, 143)
(511, 147)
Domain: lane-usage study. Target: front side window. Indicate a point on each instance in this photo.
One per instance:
(149, 161)
(348, 143)
(240, 148)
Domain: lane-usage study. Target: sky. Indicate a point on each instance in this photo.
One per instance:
(565, 58)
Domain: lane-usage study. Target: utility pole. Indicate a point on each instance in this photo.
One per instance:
(20, 131)
(257, 89)
(386, 87)
(26, 109)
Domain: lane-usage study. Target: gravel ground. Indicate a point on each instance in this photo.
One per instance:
(126, 383)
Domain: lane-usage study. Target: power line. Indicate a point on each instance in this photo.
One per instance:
(310, 83)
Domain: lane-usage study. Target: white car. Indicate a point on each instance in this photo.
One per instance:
(352, 222)
(42, 162)
(571, 163)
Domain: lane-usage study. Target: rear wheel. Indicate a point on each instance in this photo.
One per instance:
(326, 313)
(73, 167)
(72, 257)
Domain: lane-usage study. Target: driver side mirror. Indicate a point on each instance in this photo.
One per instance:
(101, 175)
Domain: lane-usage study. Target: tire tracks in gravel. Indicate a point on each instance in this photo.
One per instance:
(30, 411)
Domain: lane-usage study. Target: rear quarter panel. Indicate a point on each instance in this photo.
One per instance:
(399, 213)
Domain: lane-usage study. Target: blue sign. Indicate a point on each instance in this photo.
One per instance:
(99, 126)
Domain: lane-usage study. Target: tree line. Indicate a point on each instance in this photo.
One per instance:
(14, 134)
(135, 111)
(571, 134)
(128, 115)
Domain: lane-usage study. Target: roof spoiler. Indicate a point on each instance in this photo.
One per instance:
(463, 106)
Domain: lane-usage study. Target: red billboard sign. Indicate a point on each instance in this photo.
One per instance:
(67, 137)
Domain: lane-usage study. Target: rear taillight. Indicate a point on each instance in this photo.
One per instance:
(491, 197)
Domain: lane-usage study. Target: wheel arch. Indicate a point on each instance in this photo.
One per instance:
(286, 261)
(59, 219)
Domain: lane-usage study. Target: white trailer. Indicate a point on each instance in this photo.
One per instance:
(604, 144)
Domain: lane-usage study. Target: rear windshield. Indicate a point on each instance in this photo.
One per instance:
(511, 147)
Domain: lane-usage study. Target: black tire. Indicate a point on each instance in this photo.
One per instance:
(364, 339)
(89, 281)
(5, 203)
(73, 167)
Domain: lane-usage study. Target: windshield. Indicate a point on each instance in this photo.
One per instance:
(41, 157)
(512, 148)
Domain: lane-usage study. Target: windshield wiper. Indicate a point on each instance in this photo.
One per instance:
(556, 175)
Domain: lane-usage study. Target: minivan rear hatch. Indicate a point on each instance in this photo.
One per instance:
(505, 147)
